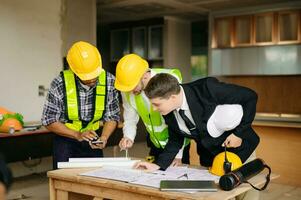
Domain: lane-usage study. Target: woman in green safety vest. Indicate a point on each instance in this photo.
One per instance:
(132, 75)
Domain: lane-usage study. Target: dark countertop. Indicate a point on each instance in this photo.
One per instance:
(278, 120)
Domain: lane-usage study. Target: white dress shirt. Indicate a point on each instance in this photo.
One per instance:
(187, 112)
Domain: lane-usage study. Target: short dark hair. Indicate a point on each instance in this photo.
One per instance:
(162, 85)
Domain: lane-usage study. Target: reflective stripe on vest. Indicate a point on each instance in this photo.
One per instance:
(153, 120)
(73, 105)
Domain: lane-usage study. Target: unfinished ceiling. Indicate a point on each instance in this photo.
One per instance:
(126, 10)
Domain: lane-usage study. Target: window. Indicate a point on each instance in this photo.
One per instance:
(155, 50)
(119, 43)
(139, 41)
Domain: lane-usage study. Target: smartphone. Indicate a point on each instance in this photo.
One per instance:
(95, 139)
(97, 142)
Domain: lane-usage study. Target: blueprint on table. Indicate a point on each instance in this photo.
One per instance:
(152, 179)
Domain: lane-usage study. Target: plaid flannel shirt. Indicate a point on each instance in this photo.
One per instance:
(55, 108)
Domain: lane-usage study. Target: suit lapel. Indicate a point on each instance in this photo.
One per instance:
(195, 106)
(171, 119)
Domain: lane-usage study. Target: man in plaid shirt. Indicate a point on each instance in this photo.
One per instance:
(77, 101)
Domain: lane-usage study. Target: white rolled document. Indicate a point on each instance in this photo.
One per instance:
(106, 159)
(81, 164)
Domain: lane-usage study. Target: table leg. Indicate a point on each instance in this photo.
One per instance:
(52, 193)
(62, 195)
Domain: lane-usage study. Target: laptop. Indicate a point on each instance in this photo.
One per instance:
(188, 185)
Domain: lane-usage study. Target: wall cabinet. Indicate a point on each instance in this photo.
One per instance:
(264, 29)
(223, 32)
(279, 27)
(289, 27)
(243, 30)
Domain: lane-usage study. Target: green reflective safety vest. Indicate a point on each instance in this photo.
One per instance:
(73, 107)
(153, 120)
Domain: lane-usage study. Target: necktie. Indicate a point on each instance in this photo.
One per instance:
(191, 127)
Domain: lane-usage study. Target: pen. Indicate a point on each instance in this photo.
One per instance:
(184, 175)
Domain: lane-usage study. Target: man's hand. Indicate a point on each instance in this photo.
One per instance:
(176, 162)
(125, 143)
(232, 141)
(87, 136)
(146, 166)
(102, 145)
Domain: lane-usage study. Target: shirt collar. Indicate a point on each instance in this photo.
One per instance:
(153, 73)
(184, 105)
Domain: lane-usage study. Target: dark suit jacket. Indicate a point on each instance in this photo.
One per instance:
(202, 97)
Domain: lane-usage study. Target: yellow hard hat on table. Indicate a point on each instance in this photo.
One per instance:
(130, 68)
(84, 60)
(218, 163)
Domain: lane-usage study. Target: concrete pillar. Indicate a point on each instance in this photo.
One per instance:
(177, 45)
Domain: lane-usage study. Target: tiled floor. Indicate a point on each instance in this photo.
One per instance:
(35, 187)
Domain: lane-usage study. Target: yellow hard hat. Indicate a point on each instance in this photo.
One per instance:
(130, 68)
(10, 123)
(84, 60)
(10, 120)
(218, 163)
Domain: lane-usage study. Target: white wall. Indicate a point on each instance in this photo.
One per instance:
(34, 36)
(177, 45)
(78, 22)
(30, 53)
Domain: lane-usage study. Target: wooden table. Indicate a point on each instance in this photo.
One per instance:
(24, 133)
(67, 184)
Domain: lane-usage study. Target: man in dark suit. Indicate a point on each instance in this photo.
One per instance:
(187, 109)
